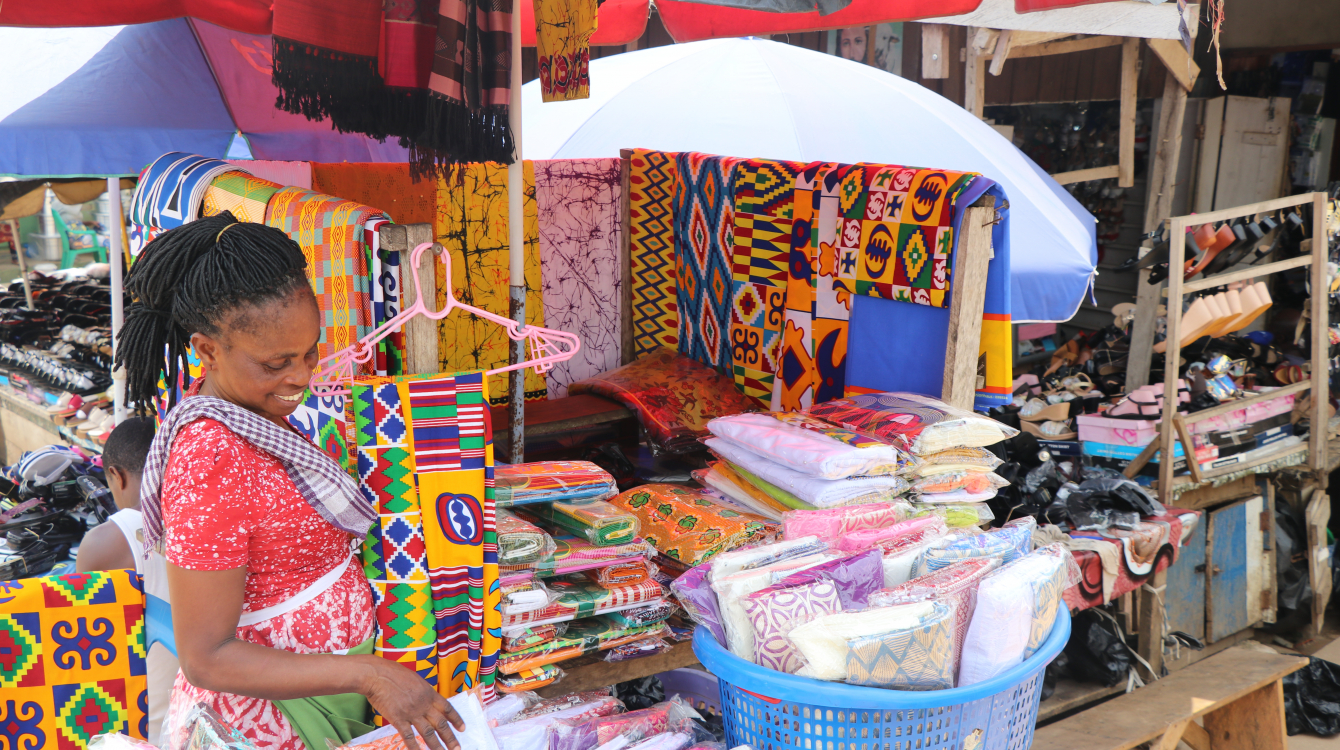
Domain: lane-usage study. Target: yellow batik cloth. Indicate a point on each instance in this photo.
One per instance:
(472, 225)
(563, 30)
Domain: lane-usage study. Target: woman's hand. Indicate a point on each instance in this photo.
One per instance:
(408, 703)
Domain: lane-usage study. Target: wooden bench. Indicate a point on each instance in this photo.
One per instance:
(1237, 694)
(559, 416)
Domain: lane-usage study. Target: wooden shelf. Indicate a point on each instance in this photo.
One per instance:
(591, 672)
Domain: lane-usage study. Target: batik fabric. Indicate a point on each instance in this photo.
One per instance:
(245, 196)
(471, 224)
(577, 201)
(704, 213)
(652, 181)
(563, 30)
(72, 660)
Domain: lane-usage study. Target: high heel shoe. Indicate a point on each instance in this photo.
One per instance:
(1222, 240)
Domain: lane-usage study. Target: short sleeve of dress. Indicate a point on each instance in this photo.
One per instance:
(208, 510)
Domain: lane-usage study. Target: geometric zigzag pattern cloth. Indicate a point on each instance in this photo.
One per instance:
(72, 660)
(652, 176)
(704, 212)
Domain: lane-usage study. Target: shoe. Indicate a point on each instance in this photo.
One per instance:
(1050, 430)
(1255, 300)
(1233, 301)
(67, 402)
(1197, 319)
(95, 421)
(1037, 410)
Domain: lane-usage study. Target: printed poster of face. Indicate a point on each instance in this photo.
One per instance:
(880, 45)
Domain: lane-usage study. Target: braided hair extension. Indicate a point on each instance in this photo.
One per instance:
(189, 280)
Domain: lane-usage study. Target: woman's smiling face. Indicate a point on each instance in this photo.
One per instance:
(264, 355)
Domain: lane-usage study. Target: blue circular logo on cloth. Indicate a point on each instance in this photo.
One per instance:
(461, 518)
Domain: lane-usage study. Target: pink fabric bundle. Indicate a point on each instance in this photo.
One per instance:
(866, 538)
(830, 524)
(954, 586)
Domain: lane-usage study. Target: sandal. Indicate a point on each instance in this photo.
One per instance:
(1037, 410)
(1050, 430)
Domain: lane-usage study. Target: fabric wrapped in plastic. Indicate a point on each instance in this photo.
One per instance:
(732, 589)
(535, 636)
(573, 555)
(856, 576)
(587, 704)
(579, 597)
(722, 478)
(867, 538)
(640, 616)
(832, 523)
(476, 735)
(1016, 608)
(689, 526)
(529, 679)
(954, 587)
(953, 460)
(919, 657)
(201, 728)
(597, 521)
(524, 735)
(507, 707)
(957, 515)
(970, 482)
(546, 481)
(816, 491)
(902, 555)
(953, 549)
(586, 636)
(822, 642)
(776, 610)
(919, 423)
(811, 446)
(1020, 533)
(633, 726)
(956, 497)
(638, 649)
(621, 574)
(521, 542)
(734, 561)
(694, 592)
(117, 741)
(520, 597)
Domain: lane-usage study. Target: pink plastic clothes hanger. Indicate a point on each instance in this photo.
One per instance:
(335, 374)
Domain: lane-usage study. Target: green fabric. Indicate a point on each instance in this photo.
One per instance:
(339, 718)
(609, 534)
(774, 492)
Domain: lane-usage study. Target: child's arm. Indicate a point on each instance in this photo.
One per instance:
(104, 548)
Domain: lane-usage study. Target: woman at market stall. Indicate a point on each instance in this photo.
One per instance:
(272, 614)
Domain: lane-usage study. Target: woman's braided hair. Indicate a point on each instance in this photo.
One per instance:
(186, 281)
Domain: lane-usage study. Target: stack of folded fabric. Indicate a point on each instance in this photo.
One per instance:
(548, 481)
(795, 462)
(688, 526)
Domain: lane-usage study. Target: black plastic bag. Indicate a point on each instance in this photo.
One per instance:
(1292, 578)
(1096, 653)
(1312, 699)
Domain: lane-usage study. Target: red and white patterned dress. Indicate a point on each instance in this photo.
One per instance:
(228, 505)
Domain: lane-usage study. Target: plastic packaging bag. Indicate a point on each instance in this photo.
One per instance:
(477, 735)
(811, 446)
(521, 542)
(952, 549)
(534, 636)
(670, 715)
(1312, 699)
(115, 741)
(506, 708)
(529, 679)
(953, 460)
(971, 482)
(958, 515)
(912, 658)
(822, 642)
(804, 488)
(867, 538)
(1020, 533)
(721, 478)
(954, 586)
(524, 596)
(622, 574)
(587, 704)
(524, 735)
(734, 561)
(956, 497)
(638, 649)
(731, 591)
(689, 526)
(775, 611)
(831, 523)
(546, 481)
(919, 423)
(694, 593)
(201, 728)
(598, 522)
(856, 577)
(642, 616)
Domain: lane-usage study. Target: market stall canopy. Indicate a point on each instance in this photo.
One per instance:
(107, 101)
(785, 102)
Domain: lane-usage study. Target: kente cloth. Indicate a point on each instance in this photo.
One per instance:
(652, 180)
(563, 30)
(472, 225)
(325, 421)
(532, 637)
(572, 554)
(386, 287)
(673, 396)
(687, 526)
(916, 658)
(388, 187)
(172, 188)
(704, 213)
(580, 241)
(529, 679)
(580, 597)
(774, 611)
(72, 660)
(468, 86)
(450, 436)
(286, 173)
(763, 198)
(1141, 554)
(520, 542)
(544, 481)
(621, 574)
(586, 636)
(245, 196)
(394, 552)
(332, 234)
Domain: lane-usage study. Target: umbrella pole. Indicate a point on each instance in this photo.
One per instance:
(116, 256)
(516, 240)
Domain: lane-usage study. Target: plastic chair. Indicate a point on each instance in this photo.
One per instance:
(69, 253)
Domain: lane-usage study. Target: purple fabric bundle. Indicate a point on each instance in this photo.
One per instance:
(695, 595)
(856, 577)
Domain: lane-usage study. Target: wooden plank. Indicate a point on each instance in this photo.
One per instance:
(967, 297)
(1253, 145)
(1248, 209)
(934, 50)
(1113, 19)
(1177, 61)
(1188, 447)
(1066, 47)
(1001, 53)
(1176, 257)
(1243, 403)
(1270, 597)
(1145, 714)
(1171, 736)
(1130, 61)
(1139, 462)
(1207, 171)
(589, 673)
(1252, 722)
(625, 230)
(1025, 38)
(1196, 737)
(1207, 497)
(1242, 274)
(1071, 695)
(1149, 642)
(974, 71)
(1320, 341)
(1317, 515)
(421, 353)
(1084, 175)
(1254, 558)
(1226, 572)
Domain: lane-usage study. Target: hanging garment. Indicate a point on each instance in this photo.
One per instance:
(472, 225)
(563, 30)
(394, 553)
(389, 187)
(73, 659)
(469, 86)
(325, 61)
(652, 182)
(451, 438)
(577, 201)
(813, 225)
(704, 211)
(245, 196)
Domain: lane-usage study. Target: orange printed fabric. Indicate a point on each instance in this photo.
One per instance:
(688, 526)
(387, 187)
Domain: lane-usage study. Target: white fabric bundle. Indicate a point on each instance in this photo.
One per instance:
(823, 641)
(821, 493)
(720, 483)
(807, 449)
(902, 565)
(1005, 622)
(734, 561)
(732, 589)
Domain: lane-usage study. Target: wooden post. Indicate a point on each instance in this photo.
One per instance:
(974, 74)
(1002, 52)
(1150, 642)
(1130, 62)
(625, 259)
(421, 355)
(1176, 259)
(1162, 182)
(934, 50)
(966, 300)
(1253, 722)
(1319, 413)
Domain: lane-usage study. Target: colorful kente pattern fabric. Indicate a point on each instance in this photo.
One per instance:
(239, 192)
(386, 289)
(331, 232)
(704, 212)
(472, 225)
(72, 660)
(652, 180)
(451, 439)
(815, 313)
(563, 30)
(580, 243)
(394, 554)
(762, 246)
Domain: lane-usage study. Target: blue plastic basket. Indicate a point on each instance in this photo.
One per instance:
(771, 710)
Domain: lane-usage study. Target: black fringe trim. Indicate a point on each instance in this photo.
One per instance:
(321, 84)
(454, 134)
